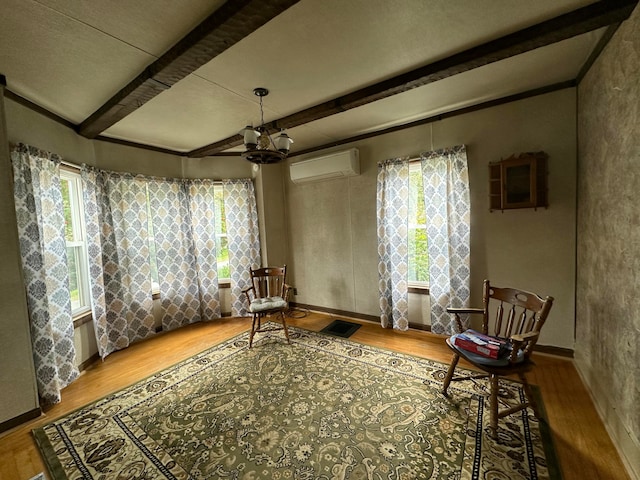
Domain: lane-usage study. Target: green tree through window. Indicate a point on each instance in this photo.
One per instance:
(70, 186)
(418, 254)
(221, 234)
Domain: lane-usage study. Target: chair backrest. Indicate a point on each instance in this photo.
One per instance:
(516, 312)
(269, 281)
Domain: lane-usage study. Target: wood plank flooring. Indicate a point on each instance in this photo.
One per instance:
(584, 448)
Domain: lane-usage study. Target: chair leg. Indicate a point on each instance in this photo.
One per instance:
(253, 330)
(529, 394)
(493, 405)
(284, 326)
(452, 369)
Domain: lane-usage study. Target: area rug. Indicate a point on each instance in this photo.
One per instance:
(320, 408)
(341, 328)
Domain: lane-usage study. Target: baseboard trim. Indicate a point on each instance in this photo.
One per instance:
(88, 362)
(20, 419)
(420, 326)
(557, 351)
(547, 349)
(334, 311)
(354, 315)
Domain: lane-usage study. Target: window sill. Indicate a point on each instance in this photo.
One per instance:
(419, 289)
(155, 294)
(82, 318)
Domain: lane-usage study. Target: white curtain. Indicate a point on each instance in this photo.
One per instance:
(243, 237)
(446, 192)
(393, 242)
(41, 228)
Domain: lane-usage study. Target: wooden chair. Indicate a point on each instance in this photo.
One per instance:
(268, 294)
(526, 314)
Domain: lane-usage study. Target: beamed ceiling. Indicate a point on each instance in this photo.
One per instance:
(178, 76)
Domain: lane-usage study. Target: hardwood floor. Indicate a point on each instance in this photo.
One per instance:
(584, 448)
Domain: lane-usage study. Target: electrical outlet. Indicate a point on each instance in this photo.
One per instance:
(295, 291)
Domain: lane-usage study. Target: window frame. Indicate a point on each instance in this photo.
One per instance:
(416, 286)
(79, 244)
(219, 188)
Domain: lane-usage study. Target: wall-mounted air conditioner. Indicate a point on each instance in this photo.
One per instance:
(332, 165)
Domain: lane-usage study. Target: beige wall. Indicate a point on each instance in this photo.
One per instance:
(332, 224)
(608, 304)
(270, 198)
(17, 381)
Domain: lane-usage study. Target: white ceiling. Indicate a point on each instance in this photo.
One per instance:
(72, 57)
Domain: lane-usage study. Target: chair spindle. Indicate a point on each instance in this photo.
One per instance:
(499, 314)
(512, 314)
(522, 321)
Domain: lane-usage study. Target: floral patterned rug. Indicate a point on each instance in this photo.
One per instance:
(320, 408)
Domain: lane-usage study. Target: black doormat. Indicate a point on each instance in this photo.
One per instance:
(340, 328)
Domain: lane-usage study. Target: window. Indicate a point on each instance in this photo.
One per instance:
(71, 186)
(418, 255)
(222, 248)
(74, 234)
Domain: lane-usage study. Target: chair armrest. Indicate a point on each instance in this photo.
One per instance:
(246, 293)
(286, 290)
(458, 311)
(526, 339)
(464, 310)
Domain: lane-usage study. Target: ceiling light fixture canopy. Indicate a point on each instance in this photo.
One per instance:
(260, 147)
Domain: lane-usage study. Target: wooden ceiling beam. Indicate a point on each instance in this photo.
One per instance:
(232, 22)
(577, 22)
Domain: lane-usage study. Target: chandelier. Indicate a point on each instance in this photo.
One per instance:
(260, 147)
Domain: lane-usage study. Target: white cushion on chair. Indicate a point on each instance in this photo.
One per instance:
(266, 303)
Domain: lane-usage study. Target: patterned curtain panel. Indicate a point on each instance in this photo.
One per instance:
(175, 228)
(169, 204)
(116, 222)
(393, 242)
(41, 227)
(243, 237)
(201, 199)
(446, 191)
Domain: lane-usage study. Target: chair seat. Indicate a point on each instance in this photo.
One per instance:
(482, 360)
(267, 303)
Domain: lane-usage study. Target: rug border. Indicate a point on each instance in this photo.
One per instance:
(47, 453)
(57, 472)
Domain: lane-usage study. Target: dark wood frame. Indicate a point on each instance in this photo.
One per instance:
(502, 186)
